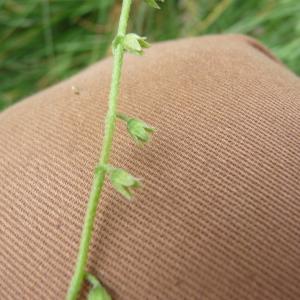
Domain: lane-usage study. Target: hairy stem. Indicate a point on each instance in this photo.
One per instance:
(79, 273)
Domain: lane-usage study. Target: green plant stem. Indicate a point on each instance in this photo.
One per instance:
(79, 273)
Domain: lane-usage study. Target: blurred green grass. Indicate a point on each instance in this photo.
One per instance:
(44, 41)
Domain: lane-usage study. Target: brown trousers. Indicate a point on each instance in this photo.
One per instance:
(218, 216)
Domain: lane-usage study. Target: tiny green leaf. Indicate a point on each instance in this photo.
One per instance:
(123, 182)
(98, 293)
(134, 43)
(153, 3)
(139, 130)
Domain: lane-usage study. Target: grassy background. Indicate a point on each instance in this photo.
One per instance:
(44, 41)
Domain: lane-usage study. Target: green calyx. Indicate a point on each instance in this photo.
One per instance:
(123, 182)
(131, 43)
(138, 129)
(153, 3)
(97, 292)
(135, 44)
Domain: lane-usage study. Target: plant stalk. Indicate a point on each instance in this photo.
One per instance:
(99, 176)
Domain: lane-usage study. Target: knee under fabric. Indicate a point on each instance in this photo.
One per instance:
(218, 216)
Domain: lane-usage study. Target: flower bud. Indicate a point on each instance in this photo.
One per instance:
(139, 130)
(123, 182)
(134, 43)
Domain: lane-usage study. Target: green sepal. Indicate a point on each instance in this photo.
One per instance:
(139, 130)
(123, 182)
(135, 44)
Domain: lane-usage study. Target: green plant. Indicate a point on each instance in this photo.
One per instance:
(122, 181)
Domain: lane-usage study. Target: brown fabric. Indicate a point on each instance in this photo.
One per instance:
(218, 214)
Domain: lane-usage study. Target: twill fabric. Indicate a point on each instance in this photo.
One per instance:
(218, 214)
